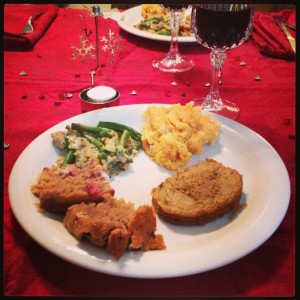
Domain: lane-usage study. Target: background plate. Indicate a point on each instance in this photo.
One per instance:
(190, 249)
(133, 16)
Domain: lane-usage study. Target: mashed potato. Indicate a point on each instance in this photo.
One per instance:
(171, 135)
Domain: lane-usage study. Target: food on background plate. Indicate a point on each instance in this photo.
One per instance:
(199, 194)
(150, 10)
(115, 225)
(171, 135)
(156, 21)
(60, 187)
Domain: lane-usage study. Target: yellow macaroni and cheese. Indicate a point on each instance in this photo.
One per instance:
(172, 134)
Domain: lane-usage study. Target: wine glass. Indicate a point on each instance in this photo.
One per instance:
(220, 27)
(174, 61)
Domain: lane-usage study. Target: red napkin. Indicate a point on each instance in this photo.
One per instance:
(16, 17)
(268, 36)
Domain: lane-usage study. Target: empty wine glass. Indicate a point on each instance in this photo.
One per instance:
(174, 61)
(220, 27)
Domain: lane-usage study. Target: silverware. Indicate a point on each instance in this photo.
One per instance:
(289, 25)
(28, 27)
(282, 25)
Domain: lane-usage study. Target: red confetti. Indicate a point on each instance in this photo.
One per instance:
(39, 55)
(68, 95)
(61, 96)
(182, 94)
(42, 96)
(57, 102)
(77, 75)
(24, 96)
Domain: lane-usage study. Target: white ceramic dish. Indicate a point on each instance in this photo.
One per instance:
(190, 249)
(132, 16)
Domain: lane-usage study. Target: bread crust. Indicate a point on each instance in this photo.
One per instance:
(198, 194)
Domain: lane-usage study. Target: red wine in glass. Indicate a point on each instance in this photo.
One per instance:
(220, 27)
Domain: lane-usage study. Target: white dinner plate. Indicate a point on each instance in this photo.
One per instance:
(133, 16)
(190, 249)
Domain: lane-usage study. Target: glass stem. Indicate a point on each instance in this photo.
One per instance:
(213, 100)
(174, 23)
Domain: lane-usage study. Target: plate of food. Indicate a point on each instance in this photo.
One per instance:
(189, 248)
(150, 22)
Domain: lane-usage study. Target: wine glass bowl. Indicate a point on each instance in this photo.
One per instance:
(174, 61)
(220, 27)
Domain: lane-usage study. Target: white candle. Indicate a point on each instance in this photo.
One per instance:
(101, 94)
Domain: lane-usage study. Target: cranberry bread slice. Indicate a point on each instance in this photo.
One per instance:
(60, 187)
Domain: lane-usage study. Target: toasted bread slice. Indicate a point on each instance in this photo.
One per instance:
(198, 194)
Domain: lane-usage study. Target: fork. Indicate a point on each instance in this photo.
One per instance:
(290, 26)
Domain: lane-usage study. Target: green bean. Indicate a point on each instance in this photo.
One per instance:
(128, 151)
(107, 133)
(163, 32)
(102, 132)
(119, 148)
(103, 155)
(82, 127)
(124, 137)
(95, 142)
(70, 158)
(120, 127)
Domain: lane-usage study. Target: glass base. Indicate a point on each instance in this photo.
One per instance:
(173, 65)
(228, 109)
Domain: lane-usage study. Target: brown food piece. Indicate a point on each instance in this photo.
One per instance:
(142, 227)
(198, 194)
(60, 187)
(115, 225)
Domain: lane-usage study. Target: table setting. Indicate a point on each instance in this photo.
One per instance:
(65, 66)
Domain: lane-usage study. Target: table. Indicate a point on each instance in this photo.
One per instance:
(37, 100)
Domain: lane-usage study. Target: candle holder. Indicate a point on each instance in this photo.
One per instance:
(102, 96)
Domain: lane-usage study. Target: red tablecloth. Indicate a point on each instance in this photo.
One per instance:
(34, 101)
